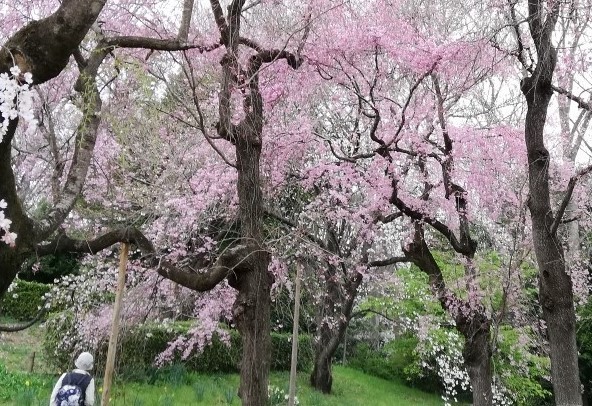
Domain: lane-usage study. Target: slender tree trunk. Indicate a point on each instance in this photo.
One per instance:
(321, 377)
(329, 325)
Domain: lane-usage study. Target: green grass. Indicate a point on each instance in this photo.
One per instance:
(350, 387)
(16, 349)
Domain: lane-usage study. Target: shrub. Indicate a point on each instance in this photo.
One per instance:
(522, 373)
(23, 300)
(139, 347)
(46, 269)
(396, 361)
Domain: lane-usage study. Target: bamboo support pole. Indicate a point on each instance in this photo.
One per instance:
(111, 352)
(294, 361)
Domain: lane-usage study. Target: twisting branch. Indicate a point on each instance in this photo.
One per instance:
(86, 136)
(229, 262)
(438, 225)
(12, 328)
(568, 193)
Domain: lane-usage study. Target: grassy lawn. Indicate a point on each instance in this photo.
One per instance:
(350, 387)
(16, 349)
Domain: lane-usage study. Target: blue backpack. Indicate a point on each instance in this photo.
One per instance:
(73, 389)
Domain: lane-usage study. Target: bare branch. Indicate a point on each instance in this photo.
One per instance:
(389, 261)
(156, 44)
(568, 193)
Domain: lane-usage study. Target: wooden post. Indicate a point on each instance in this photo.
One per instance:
(294, 361)
(115, 326)
(32, 362)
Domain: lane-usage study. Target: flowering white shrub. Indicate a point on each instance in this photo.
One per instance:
(16, 100)
(8, 237)
(278, 397)
(82, 308)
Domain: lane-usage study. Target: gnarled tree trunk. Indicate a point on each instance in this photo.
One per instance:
(332, 324)
(42, 48)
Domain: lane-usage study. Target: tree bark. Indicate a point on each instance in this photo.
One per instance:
(252, 308)
(555, 285)
(477, 358)
(328, 338)
(333, 319)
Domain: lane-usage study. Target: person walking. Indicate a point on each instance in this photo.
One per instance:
(75, 388)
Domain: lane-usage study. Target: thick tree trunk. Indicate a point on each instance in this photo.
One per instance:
(42, 48)
(252, 308)
(10, 257)
(555, 285)
(477, 358)
(321, 377)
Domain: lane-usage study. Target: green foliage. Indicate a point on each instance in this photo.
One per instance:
(396, 361)
(584, 336)
(521, 372)
(200, 391)
(350, 388)
(139, 348)
(9, 383)
(22, 302)
(19, 386)
(48, 268)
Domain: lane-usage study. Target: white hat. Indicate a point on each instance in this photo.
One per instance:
(84, 361)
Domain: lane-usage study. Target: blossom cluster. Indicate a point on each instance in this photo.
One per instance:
(278, 397)
(7, 236)
(16, 99)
